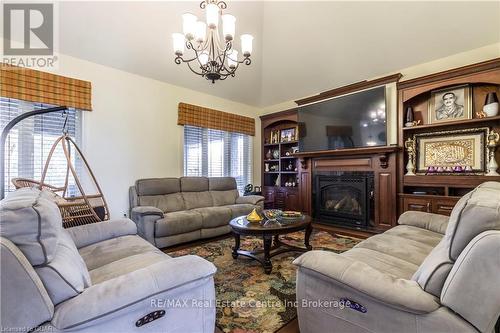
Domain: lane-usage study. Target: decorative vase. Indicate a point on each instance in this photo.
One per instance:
(409, 117)
(269, 155)
(490, 107)
(276, 154)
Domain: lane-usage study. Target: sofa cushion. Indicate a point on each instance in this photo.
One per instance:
(475, 212)
(224, 198)
(105, 252)
(214, 216)
(240, 209)
(126, 265)
(197, 199)
(66, 275)
(157, 186)
(403, 248)
(221, 183)
(194, 184)
(167, 202)
(30, 220)
(178, 223)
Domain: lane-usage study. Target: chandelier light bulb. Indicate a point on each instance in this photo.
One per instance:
(201, 31)
(232, 59)
(212, 15)
(178, 43)
(228, 26)
(246, 44)
(203, 57)
(189, 25)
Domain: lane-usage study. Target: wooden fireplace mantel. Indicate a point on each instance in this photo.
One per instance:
(382, 152)
(379, 160)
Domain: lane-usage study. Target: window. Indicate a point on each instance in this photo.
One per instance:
(29, 142)
(214, 153)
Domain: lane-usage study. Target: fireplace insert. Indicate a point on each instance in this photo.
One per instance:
(345, 199)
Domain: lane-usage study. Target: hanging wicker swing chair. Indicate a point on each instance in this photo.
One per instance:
(75, 210)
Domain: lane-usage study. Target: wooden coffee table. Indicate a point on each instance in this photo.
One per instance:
(269, 229)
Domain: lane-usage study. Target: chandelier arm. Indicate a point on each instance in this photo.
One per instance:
(194, 71)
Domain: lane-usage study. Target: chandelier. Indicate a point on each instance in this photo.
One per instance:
(213, 55)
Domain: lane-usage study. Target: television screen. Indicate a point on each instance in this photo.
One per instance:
(350, 121)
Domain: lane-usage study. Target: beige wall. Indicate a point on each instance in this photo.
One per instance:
(132, 131)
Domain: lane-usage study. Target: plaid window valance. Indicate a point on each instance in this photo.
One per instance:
(40, 87)
(194, 115)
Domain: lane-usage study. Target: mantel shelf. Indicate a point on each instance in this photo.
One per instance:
(453, 123)
(447, 180)
(348, 152)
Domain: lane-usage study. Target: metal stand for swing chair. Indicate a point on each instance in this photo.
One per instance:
(75, 210)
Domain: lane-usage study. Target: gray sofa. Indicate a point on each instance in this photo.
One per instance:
(170, 211)
(99, 277)
(429, 274)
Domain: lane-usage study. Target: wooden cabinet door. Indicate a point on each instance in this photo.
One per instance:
(417, 204)
(292, 201)
(443, 206)
(279, 203)
(269, 196)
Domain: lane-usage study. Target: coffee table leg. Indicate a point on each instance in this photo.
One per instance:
(236, 245)
(268, 266)
(308, 235)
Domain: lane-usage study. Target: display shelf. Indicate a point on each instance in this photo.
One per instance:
(474, 121)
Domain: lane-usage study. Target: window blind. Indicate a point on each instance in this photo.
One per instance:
(215, 153)
(29, 143)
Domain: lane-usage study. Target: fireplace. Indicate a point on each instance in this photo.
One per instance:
(344, 199)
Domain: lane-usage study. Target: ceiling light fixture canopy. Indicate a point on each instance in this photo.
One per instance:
(214, 56)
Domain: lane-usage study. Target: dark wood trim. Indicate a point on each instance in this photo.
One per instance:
(279, 114)
(350, 88)
(348, 152)
(448, 74)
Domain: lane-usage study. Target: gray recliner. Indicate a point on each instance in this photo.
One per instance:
(99, 277)
(429, 274)
(170, 211)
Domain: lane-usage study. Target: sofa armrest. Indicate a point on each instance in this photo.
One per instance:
(429, 221)
(145, 217)
(250, 199)
(116, 297)
(97, 232)
(146, 210)
(384, 287)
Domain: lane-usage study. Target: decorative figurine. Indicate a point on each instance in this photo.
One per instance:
(410, 149)
(493, 139)
(269, 154)
(266, 165)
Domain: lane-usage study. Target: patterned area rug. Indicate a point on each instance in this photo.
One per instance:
(250, 301)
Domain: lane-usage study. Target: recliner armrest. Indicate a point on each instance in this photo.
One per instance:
(384, 287)
(97, 232)
(112, 297)
(250, 199)
(433, 222)
(146, 210)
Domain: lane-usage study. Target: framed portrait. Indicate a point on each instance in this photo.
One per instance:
(449, 149)
(450, 104)
(274, 136)
(288, 135)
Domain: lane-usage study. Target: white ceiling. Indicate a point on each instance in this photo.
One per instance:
(300, 47)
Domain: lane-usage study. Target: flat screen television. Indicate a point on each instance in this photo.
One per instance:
(350, 121)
